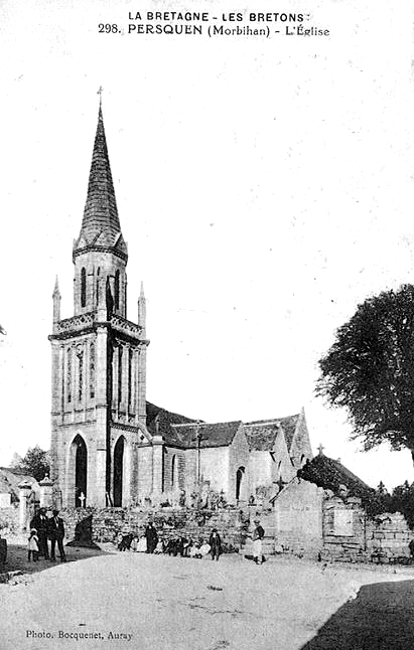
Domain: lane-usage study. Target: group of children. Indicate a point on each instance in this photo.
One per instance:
(174, 546)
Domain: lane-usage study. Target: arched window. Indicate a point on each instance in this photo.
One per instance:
(130, 378)
(83, 287)
(98, 273)
(80, 375)
(173, 471)
(239, 481)
(80, 457)
(69, 374)
(117, 274)
(92, 372)
(119, 461)
(120, 375)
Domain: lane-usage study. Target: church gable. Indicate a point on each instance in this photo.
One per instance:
(271, 443)
(282, 467)
(289, 425)
(300, 447)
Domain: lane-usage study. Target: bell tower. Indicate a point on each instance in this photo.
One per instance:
(99, 361)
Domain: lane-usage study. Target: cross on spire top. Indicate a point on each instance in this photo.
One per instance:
(100, 91)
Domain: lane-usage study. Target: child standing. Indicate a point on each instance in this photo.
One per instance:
(33, 546)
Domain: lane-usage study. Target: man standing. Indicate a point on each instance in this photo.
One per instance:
(257, 537)
(56, 533)
(40, 522)
(215, 544)
(152, 537)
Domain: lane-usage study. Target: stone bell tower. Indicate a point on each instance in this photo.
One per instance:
(99, 435)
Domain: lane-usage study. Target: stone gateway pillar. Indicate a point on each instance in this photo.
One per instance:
(46, 492)
(25, 490)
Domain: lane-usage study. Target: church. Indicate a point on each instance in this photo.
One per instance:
(110, 447)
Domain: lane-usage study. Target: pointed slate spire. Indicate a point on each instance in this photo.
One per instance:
(100, 224)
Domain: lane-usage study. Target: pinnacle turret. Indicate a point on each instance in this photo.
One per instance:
(56, 292)
(142, 309)
(56, 302)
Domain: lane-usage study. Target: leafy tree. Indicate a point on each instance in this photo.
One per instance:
(36, 463)
(370, 370)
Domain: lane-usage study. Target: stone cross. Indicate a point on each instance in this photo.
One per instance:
(320, 449)
(82, 499)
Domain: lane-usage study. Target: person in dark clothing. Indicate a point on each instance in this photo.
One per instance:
(152, 537)
(125, 543)
(215, 544)
(40, 522)
(56, 533)
(257, 537)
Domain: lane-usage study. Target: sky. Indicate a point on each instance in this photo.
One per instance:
(265, 188)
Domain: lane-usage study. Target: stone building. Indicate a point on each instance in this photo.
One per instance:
(110, 447)
(10, 480)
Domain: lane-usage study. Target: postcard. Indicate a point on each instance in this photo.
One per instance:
(195, 197)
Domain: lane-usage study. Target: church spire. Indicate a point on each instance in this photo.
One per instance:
(100, 229)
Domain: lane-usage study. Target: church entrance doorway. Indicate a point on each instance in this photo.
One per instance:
(118, 471)
(81, 465)
(239, 481)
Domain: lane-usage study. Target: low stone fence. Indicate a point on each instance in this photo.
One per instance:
(104, 525)
(316, 523)
(349, 535)
(388, 538)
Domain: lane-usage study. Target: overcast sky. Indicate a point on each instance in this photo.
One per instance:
(264, 187)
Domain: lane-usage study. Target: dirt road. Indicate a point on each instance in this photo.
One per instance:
(127, 600)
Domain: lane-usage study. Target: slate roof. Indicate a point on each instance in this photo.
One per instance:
(180, 431)
(10, 480)
(330, 474)
(100, 224)
(261, 434)
(218, 434)
(165, 420)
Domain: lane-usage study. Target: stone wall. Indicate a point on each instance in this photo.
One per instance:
(260, 470)
(344, 523)
(9, 521)
(349, 535)
(313, 522)
(107, 523)
(298, 519)
(388, 538)
(214, 467)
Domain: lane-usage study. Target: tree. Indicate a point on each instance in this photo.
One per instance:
(35, 463)
(370, 370)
